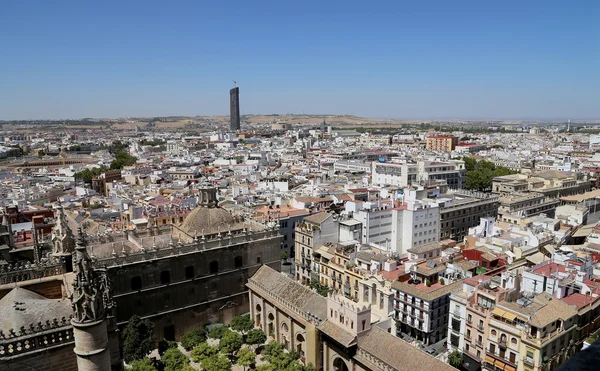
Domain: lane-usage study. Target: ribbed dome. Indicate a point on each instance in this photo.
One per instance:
(207, 220)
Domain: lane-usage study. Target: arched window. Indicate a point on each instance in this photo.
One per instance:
(494, 333)
(213, 267)
(237, 262)
(513, 340)
(258, 308)
(284, 327)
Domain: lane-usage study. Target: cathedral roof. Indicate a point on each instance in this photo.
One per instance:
(22, 308)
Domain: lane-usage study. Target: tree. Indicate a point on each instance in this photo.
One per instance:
(217, 362)
(193, 338)
(266, 367)
(165, 345)
(441, 281)
(256, 336)
(145, 364)
(218, 332)
(230, 343)
(284, 255)
(242, 323)
(138, 339)
(246, 357)
(203, 350)
(174, 360)
(321, 289)
(455, 359)
(427, 282)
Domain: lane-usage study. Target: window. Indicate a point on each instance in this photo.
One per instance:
(237, 262)
(512, 357)
(454, 340)
(189, 272)
(165, 277)
(494, 332)
(364, 323)
(492, 348)
(213, 267)
(258, 260)
(136, 283)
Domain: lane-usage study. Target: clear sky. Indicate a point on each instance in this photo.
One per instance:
(387, 59)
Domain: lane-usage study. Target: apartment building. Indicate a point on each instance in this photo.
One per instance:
(408, 173)
(314, 231)
(519, 205)
(421, 310)
(462, 210)
(441, 143)
(411, 223)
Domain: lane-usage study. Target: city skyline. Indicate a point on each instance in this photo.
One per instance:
(387, 60)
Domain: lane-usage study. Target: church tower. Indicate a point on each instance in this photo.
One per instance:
(92, 301)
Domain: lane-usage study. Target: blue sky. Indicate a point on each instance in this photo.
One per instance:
(392, 59)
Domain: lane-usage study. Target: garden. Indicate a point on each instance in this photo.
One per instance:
(217, 347)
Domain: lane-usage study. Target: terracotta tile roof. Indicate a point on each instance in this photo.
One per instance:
(418, 290)
(317, 218)
(337, 333)
(290, 291)
(554, 310)
(396, 353)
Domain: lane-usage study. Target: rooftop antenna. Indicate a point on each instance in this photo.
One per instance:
(234, 83)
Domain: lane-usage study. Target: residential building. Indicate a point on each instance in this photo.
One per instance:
(441, 143)
(332, 333)
(314, 231)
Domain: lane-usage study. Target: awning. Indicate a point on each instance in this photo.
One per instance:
(499, 364)
(509, 316)
(509, 368)
(498, 312)
(489, 359)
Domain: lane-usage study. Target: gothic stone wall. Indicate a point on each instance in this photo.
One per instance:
(199, 284)
(62, 358)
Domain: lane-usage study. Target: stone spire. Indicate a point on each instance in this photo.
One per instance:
(63, 241)
(92, 301)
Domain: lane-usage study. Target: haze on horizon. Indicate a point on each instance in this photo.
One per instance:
(396, 59)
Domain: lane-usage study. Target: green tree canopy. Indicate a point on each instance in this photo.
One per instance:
(138, 339)
(193, 338)
(455, 359)
(480, 174)
(174, 360)
(144, 364)
(87, 174)
(322, 290)
(218, 332)
(230, 343)
(242, 323)
(256, 336)
(217, 362)
(165, 345)
(246, 357)
(203, 350)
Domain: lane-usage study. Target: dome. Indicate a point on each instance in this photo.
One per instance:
(207, 220)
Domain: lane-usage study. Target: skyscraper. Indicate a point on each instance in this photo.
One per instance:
(234, 108)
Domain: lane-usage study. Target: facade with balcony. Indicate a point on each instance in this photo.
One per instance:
(422, 312)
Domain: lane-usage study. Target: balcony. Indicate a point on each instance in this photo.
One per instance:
(480, 327)
(528, 361)
(456, 314)
(479, 343)
(502, 344)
